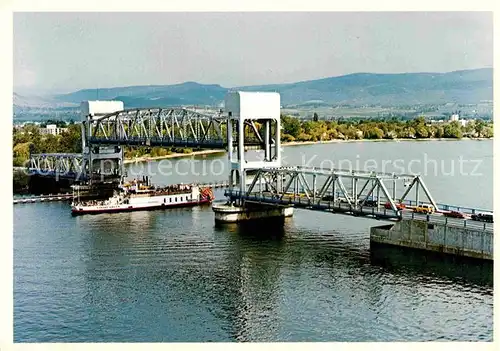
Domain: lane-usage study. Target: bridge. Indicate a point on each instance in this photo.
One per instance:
(65, 165)
(104, 134)
(253, 119)
(385, 196)
(358, 193)
(179, 127)
(275, 191)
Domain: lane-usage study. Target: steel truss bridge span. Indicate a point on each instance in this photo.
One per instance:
(355, 192)
(60, 163)
(181, 127)
(158, 127)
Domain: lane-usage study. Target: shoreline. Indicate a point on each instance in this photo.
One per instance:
(334, 141)
(288, 143)
(174, 155)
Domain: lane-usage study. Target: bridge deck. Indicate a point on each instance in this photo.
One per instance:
(374, 212)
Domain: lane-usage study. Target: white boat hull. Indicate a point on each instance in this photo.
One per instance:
(141, 202)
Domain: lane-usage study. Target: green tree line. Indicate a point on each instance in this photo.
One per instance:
(29, 139)
(315, 130)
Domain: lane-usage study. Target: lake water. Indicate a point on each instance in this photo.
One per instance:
(172, 275)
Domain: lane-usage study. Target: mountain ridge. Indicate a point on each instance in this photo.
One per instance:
(361, 88)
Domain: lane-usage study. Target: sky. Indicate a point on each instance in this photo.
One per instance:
(64, 52)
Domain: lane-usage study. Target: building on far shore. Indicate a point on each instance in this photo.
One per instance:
(453, 118)
(52, 129)
(456, 117)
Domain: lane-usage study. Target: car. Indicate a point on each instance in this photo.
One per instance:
(328, 198)
(399, 206)
(455, 214)
(370, 203)
(482, 217)
(425, 208)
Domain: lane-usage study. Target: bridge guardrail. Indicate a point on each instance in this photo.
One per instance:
(320, 205)
(368, 211)
(448, 221)
(441, 206)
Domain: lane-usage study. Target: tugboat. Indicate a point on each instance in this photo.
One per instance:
(139, 195)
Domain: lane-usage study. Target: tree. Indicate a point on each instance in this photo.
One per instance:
(333, 134)
(71, 139)
(50, 144)
(351, 132)
(315, 117)
(20, 153)
(438, 131)
(20, 181)
(407, 132)
(488, 132)
(419, 121)
(374, 133)
(291, 126)
(452, 130)
(308, 126)
(479, 126)
(19, 137)
(287, 137)
(304, 137)
(421, 131)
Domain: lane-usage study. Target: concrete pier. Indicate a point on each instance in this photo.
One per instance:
(419, 234)
(225, 213)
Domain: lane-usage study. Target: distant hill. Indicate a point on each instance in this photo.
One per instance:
(33, 101)
(470, 86)
(465, 87)
(189, 93)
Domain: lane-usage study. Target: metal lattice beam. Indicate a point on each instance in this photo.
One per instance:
(158, 127)
(181, 127)
(62, 164)
(376, 194)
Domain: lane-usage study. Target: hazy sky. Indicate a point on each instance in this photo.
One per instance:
(69, 51)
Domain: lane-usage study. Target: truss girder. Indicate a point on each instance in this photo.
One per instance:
(59, 163)
(159, 126)
(317, 185)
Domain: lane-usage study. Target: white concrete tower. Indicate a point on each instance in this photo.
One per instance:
(106, 160)
(252, 118)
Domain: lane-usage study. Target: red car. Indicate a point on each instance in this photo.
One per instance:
(398, 206)
(454, 214)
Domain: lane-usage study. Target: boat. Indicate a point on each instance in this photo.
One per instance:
(139, 195)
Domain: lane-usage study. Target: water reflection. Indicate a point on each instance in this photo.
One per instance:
(429, 264)
(235, 277)
(174, 276)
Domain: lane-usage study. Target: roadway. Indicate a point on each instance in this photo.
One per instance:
(375, 212)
